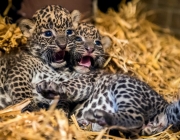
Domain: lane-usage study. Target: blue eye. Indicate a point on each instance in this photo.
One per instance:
(78, 38)
(97, 42)
(69, 32)
(48, 33)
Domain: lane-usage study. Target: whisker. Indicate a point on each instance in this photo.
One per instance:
(101, 54)
(47, 55)
(104, 55)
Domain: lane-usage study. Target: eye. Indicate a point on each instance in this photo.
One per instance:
(78, 38)
(48, 33)
(97, 42)
(69, 32)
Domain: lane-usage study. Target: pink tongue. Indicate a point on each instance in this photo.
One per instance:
(85, 61)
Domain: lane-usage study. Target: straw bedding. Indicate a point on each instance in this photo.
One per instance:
(139, 48)
(11, 37)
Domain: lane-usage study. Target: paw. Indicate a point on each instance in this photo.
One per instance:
(99, 116)
(30, 107)
(42, 86)
(42, 105)
(47, 89)
(64, 105)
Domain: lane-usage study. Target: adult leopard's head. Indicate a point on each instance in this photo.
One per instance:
(88, 52)
(49, 32)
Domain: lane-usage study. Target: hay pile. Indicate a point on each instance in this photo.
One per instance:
(32, 126)
(42, 125)
(139, 47)
(142, 48)
(10, 36)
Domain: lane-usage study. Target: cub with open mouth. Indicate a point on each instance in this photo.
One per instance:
(52, 36)
(54, 54)
(88, 52)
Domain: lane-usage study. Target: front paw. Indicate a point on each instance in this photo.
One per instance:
(42, 86)
(48, 90)
(30, 107)
(42, 105)
(99, 116)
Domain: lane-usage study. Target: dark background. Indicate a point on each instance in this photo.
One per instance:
(26, 8)
(166, 13)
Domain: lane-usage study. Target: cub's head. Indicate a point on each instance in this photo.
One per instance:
(87, 52)
(49, 33)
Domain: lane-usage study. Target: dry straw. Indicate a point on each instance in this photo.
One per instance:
(139, 47)
(10, 36)
(142, 48)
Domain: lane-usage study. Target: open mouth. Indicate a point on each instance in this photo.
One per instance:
(86, 61)
(59, 57)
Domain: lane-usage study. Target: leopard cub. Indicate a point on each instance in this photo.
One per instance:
(48, 34)
(88, 51)
(116, 100)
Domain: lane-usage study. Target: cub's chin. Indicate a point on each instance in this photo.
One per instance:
(58, 65)
(81, 69)
(84, 65)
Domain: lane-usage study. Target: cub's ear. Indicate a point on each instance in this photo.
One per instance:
(106, 42)
(27, 27)
(76, 16)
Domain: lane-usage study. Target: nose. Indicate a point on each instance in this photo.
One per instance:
(61, 42)
(61, 45)
(89, 49)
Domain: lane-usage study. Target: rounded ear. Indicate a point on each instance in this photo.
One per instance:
(27, 27)
(76, 16)
(106, 42)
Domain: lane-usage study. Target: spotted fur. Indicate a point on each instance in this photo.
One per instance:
(116, 100)
(88, 53)
(5, 99)
(48, 34)
(110, 99)
(169, 116)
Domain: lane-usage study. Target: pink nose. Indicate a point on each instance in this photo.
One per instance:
(90, 50)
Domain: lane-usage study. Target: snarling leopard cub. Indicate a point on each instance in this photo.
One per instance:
(48, 34)
(88, 53)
